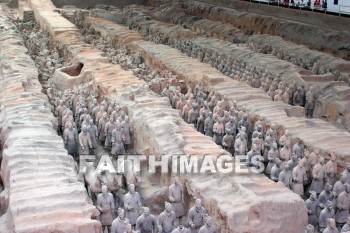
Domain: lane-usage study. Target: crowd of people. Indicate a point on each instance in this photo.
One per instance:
(317, 4)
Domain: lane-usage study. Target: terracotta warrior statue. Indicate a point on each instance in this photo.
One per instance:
(346, 227)
(181, 229)
(127, 133)
(93, 132)
(298, 149)
(339, 186)
(253, 152)
(331, 170)
(193, 115)
(146, 223)
(230, 127)
(208, 226)
(293, 162)
(286, 176)
(119, 224)
(298, 98)
(241, 145)
(267, 145)
(109, 127)
(185, 110)
(298, 179)
(309, 229)
(228, 142)
(132, 204)
(309, 105)
(326, 195)
(166, 220)
(242, 131)
(208, 125)
(343, 206)
(272, 155)
(218, 130)
(71, 140)
(243, 122)
(346, 172)
(276, 170)
(312, 205)
(105, 204)
(326, 213)
(117, 140)
(285, 139)
(285, 153)
(196, 216)
(176, 197)
(318, 174)
(200, 123)
(101, 127)
(331, 227)
(85, 142)
(129, 229)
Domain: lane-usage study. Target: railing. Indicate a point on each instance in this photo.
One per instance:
(343, 10)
